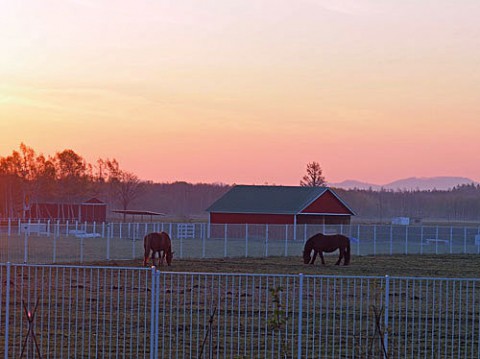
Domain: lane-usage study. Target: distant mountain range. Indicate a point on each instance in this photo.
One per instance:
(409, 184)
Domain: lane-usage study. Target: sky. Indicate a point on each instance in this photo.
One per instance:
(246, 91)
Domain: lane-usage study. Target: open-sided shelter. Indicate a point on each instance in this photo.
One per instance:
(92, 210)
(279, 205)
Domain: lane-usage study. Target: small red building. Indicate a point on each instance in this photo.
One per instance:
(280, 205)
(92, 210)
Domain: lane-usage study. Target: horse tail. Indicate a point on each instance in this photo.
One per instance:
(353, 239)
(146, 246)
(307, 250)
(146, 241)
(347, 252)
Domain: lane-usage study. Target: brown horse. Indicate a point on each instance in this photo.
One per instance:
(158, 242)
(320, 243)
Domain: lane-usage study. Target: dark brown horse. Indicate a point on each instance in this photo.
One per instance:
(320, 243)
(157, 242)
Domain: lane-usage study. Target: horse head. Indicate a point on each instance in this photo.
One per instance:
(169, 256)
(306, 257)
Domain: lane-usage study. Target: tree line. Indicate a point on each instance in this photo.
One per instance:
(66, 177)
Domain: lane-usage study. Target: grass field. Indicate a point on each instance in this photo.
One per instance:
(449, 266)
(90, 310)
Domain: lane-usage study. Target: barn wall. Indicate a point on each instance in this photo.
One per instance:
(311, 219)
(53, 211)
(251, 218)
(94, 212)
(84, 212)
(327, 203)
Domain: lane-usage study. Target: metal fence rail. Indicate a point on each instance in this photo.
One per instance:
(104, 312)
(28, 242)
(78, 312)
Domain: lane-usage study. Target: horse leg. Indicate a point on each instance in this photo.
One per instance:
(340, 256)
(145, 257)
(153, 258)
(157, 259)
(321, 257)
(314, 257)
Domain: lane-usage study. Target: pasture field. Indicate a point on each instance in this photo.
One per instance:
(104, 308)
(431, 265)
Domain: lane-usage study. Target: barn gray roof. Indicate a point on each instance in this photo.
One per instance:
(269, 199)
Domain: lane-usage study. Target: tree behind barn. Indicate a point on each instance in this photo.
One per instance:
(314, 177)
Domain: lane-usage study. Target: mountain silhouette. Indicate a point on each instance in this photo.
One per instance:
(409, 184)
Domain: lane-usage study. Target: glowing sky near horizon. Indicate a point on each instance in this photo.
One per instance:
(246, 92)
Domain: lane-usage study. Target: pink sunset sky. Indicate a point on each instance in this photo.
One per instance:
(246, 92)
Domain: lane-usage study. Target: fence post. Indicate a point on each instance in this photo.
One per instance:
(385, 319)
(108, 248)
(246, 239)
(358, 237)
(406, 239)
(391, 239)
(300, 315)
(25, 248)
(7, 308)
(153, 315)
(82, 245)
(451, 238)
(225, 240)
(134, 240)
(203, 243)
(266, 240)
(55, 245)
(181, 247)
(421, 240)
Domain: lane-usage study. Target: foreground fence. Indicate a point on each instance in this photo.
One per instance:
(103, 312)
(45, 242)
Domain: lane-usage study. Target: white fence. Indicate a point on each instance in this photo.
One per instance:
(103, 312)
(35, 242)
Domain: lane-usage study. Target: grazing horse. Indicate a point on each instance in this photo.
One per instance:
(320, 243)
(158, 242)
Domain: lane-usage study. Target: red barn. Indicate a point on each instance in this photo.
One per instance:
(280, 205)
(92, 210)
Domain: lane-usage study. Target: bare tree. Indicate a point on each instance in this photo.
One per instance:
(126, 188)
(314, 177)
